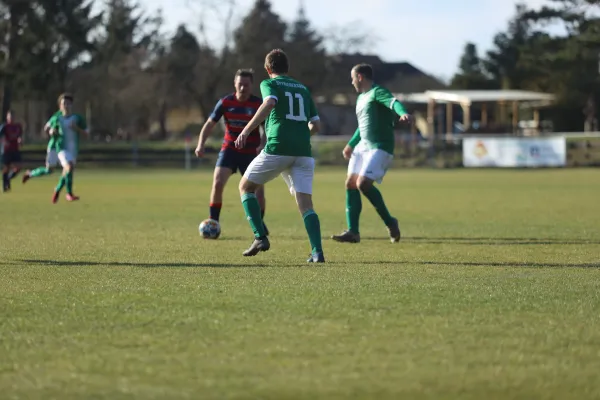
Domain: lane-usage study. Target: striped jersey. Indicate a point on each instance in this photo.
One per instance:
(12, 133)
(237, 114)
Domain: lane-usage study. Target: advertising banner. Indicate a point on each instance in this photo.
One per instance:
(514, 152)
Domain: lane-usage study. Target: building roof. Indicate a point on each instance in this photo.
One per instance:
(396, 76)
(468, 97)
(414, 98)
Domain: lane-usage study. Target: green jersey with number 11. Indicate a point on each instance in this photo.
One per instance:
(287, 124)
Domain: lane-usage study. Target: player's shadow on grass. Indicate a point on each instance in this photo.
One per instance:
(491, 264)
(487, 241)
(226, 238)
(140, 264)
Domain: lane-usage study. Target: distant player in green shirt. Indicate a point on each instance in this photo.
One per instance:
(64, 129)
(370, 152)
(291, 119)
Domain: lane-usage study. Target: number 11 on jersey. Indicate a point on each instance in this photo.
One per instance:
(301, 117)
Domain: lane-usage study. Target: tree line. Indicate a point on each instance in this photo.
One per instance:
(117, 60)
(554, 49)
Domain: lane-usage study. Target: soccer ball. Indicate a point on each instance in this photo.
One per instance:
(209, 229)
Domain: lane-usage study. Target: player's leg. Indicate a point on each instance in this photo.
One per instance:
(51, 161)
(5, 180)
(66, 176)
(68, 162)
(8, 161)
(375, 165)
(243, 161)
(62, 181)
(69, 181)
(261, 170)
(6, 169)
(353, 202)
(15, 167)
(224, 168)
(220, 178)
(262, 202)
(300, 179)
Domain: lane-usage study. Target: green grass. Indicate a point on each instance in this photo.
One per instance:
(493, 293)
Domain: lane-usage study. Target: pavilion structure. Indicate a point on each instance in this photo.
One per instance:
(513, 99)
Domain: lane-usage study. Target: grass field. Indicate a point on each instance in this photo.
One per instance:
(493, 293)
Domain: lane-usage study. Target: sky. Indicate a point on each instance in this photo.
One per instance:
(430, 34)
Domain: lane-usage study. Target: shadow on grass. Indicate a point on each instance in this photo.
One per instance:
(471, 241)
(488, 241)
(227, 238)
(490, 264)
(507, 264)
(58, 263)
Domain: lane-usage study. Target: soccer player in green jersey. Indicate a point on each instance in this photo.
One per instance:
(291, 119)
(64, 129)
(370, 152)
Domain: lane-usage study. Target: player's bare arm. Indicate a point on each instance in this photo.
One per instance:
(314, 126)
(261, 114)
(405, 118)
(49, 130)
(349, 148)
(203, 136)
(263, 138)
(347, 152)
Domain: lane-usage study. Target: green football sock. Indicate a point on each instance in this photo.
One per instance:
(313, 228)
(375, 197)
(69, 182)
(252, 209)
(61, 183)
(40, 172)
(353, 209)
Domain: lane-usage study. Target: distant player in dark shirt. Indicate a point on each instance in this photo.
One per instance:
(237, 109)
(11, 133)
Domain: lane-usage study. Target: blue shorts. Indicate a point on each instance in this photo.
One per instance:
(11, 157)
(234, 160)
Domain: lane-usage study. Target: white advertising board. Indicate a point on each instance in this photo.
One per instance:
(514, 152)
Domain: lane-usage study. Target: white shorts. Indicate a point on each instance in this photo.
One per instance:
(370, 163)
(64, 157)
(297, 172)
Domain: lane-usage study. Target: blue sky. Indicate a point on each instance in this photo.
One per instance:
(430, 34)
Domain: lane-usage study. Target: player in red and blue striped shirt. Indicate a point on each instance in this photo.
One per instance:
(237, 109)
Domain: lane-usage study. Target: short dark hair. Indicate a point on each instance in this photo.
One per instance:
(365, 70)
(245, 73)
(66, 96)
(277, 62)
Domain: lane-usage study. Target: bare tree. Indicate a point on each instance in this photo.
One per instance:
(349, 38)
(212, 68)
(214, 10)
